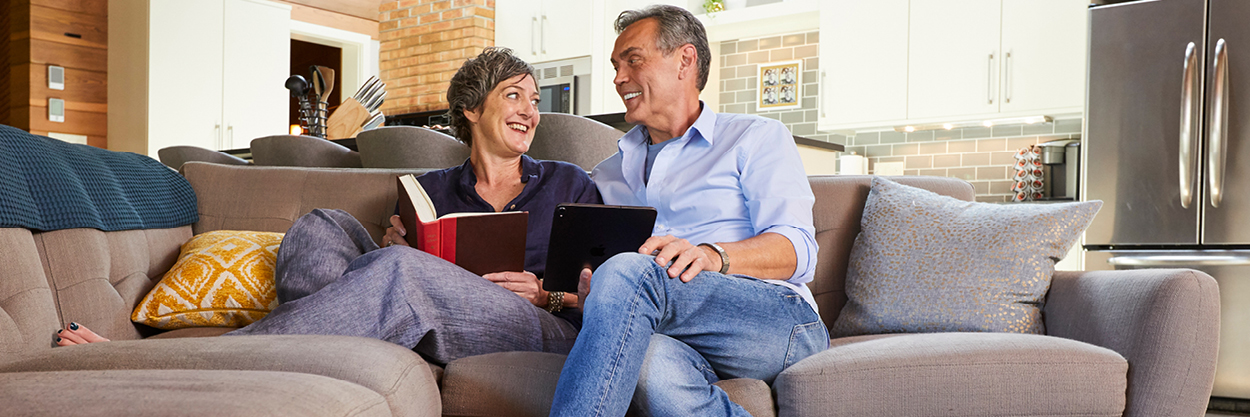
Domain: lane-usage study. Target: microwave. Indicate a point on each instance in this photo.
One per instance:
(558, 95)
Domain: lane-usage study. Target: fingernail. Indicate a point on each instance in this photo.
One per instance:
(59, 331)
(73, 326)
(58, 340)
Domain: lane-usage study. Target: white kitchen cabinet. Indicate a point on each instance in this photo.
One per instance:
(1043, 46)
(953, 58)
(547, 30)
(962, 60)
(207, 73)
(863, 61)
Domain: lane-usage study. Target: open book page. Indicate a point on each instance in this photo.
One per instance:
(420, 200)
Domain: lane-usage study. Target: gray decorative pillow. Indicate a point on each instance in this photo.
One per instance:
(928, 263)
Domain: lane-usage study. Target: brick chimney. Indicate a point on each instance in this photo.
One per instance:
(423, 42)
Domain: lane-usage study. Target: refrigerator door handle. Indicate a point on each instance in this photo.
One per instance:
(1189, 125)
(1219, 125)
(1179, 260)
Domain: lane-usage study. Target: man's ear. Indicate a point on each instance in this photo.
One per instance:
(689, 62)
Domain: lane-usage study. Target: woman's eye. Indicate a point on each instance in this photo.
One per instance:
(511, 95)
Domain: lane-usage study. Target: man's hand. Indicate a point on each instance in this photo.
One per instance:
(583, 287)
(524, 284)
(682, 258)
(395, 233)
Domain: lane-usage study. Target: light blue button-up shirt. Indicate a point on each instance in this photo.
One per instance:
(729, 177)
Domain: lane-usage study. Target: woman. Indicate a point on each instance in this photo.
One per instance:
(333, 279)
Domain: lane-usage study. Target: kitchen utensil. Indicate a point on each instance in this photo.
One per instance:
(372, 94)
(298, 86)
(376, 102)
(374, 122)
(327, 76)
(318, 83)
(346, 120)
(364, 89)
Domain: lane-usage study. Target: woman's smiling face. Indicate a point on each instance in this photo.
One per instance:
(504, 124)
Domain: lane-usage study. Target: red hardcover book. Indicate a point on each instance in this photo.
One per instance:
(478, 242)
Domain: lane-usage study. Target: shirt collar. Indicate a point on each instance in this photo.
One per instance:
(704, 127)
(530, 170)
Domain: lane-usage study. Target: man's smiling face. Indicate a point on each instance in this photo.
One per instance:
(645, 79)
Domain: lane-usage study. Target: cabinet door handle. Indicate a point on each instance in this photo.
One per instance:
(534, 39)
(1007, 78)
(217, 135)
(989, 80)
(1219, 125)
(230, 136)
(1189, 125)
(823, 97)
(543, 34)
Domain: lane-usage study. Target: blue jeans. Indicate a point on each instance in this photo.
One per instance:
(663, 343)
(333, 279)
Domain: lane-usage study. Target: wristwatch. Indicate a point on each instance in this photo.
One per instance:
(555, 301)
(724, 258)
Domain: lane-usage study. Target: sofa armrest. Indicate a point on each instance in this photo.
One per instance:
(399, 375)
(1165, 322)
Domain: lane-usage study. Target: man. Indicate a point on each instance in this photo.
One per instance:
(663, 324)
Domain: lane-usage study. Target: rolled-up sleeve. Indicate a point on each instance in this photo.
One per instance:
(778, 194)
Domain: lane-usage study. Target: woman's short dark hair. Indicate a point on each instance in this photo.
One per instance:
(677, 27)
(475, 80)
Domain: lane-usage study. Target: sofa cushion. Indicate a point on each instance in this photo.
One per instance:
(185, 392)
(398, 374)
(929, 263)
(98, 277)
(223, 278)
(524, 384)
(28, 316)
(839, 207)
(955, 374)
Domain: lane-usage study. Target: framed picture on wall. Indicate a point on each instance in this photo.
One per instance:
(779, 85)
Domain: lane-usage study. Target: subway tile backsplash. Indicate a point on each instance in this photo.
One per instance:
(982, 156)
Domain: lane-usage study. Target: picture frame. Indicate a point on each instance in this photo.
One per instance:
(780, 86)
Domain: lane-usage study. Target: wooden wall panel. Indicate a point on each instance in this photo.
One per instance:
(91, 7)
(69, 33)
(67, 27)
(65, 55)
(364, 9)
(84, 90)
(6, 89)
(76, 122)
(335, 20)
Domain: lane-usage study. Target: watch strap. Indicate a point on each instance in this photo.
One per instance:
(724, 258)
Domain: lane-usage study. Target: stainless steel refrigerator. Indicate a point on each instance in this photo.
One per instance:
(1167, 148)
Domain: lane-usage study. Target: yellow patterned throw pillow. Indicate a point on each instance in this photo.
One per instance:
(222, 278)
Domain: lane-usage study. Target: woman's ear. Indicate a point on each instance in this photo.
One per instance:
(473, 115)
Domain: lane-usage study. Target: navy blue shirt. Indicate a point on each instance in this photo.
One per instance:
(547, 184)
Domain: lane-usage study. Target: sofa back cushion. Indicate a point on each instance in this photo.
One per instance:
(839, 208)
(99, 277)
(269, 199)
(28, 317)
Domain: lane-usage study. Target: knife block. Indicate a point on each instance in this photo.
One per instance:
(346, 121)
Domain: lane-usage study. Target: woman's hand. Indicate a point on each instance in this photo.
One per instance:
(395, 234)
(77, 334)
(524, 284)
(583, 287)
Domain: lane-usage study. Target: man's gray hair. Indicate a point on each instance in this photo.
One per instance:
(677, 27)
(475, 79)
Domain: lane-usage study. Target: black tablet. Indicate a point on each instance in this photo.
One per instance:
(585, 235)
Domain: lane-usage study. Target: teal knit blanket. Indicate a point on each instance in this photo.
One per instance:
(47, 184)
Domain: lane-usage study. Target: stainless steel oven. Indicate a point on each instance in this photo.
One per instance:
(559, 95)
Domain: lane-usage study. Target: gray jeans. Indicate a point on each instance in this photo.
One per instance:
(333, 279)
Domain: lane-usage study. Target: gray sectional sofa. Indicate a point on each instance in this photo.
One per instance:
(1139, 343)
